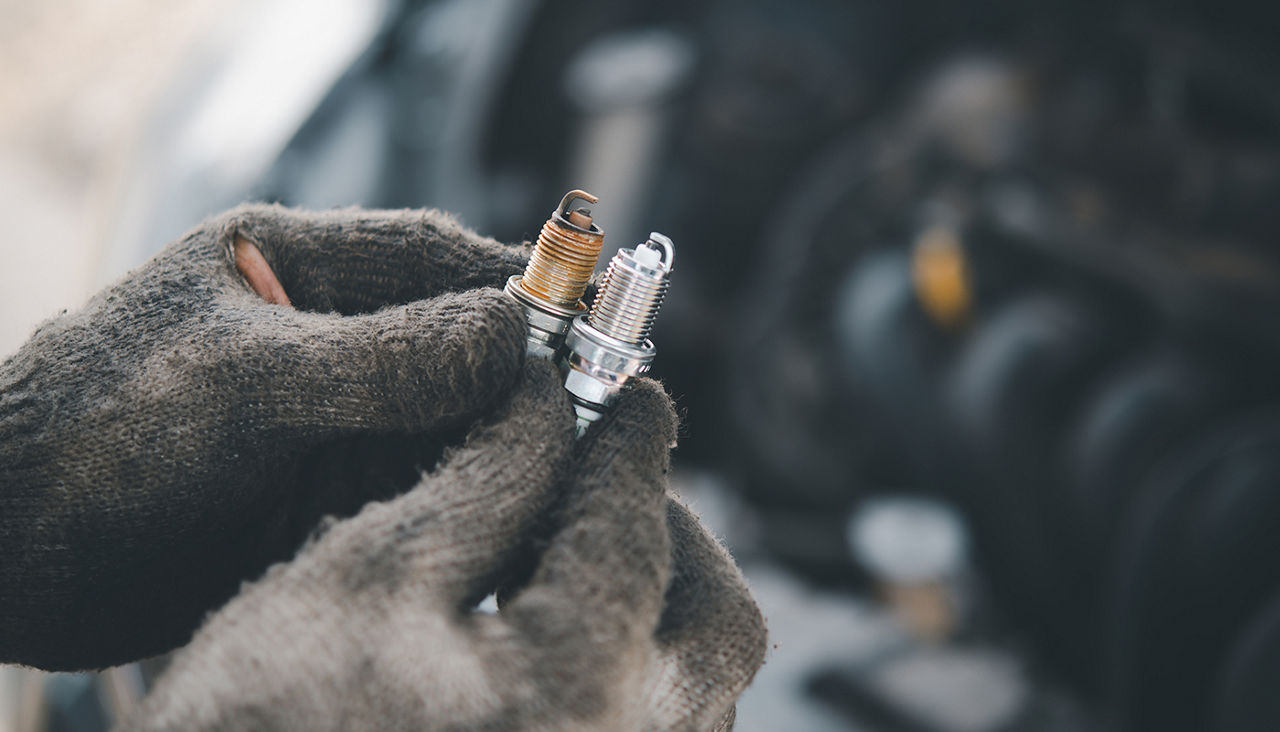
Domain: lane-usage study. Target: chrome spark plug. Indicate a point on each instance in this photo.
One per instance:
(609, 345)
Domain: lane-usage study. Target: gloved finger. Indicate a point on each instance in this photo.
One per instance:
(411, 368)
(727, 721)
(711, 637)
(356, 260)
(450, 536)
(594, 601)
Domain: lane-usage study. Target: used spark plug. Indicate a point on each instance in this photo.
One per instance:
(609, 345)
(550, 290)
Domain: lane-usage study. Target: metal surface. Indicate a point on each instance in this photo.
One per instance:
(605, 348)
(560, 267)
(547, 323)
(565, 257)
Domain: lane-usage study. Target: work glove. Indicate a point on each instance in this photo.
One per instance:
(187, 428)
(631, 618)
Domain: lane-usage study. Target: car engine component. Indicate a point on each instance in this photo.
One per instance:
(611, 344)
(550, 290)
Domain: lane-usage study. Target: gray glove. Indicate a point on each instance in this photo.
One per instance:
(632, 617)
(178, 434)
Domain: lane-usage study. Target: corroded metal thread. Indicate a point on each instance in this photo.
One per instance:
(563, 259)
(631, 293)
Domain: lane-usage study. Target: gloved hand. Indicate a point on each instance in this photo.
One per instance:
(633, 618)
(179, 434)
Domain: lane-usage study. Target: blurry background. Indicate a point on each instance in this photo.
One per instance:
(974, 326)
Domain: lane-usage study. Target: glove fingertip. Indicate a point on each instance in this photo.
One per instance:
(647, 406)
(467, 351)
(641, 429)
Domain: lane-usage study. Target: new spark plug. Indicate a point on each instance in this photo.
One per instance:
(609, 345)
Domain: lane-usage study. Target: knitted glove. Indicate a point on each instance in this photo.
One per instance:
(631, 618)
(179, 434)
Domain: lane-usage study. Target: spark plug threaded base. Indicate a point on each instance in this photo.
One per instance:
(559, 269)
(608, 346)
(631, 293)
(563, 260)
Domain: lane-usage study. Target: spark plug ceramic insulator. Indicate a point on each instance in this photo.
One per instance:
(563, 260)
(609, 345)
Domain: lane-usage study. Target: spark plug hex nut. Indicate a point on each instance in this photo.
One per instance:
(548, 323)
(598, 369)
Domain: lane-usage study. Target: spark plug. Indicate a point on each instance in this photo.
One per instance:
(610, 344)
(550, 290)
